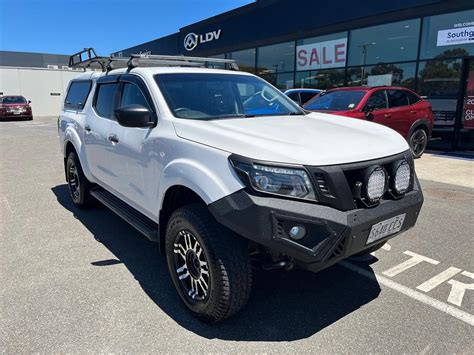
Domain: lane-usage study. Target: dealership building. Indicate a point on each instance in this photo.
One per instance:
(425, 45)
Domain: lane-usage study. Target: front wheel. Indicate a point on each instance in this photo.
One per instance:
(418, 142)
(209, 265)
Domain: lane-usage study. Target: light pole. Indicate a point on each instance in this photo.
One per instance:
(364, 58)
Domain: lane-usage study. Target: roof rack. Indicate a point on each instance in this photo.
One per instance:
(88, 57)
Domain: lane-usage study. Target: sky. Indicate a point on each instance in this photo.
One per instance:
(67, 26)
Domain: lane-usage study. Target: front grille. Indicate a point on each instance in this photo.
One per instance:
(322, 185)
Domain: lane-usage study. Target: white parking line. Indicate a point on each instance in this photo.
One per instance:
(441, 306)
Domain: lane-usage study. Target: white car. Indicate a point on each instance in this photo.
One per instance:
(218, 166)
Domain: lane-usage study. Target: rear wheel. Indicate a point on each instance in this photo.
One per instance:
(78, 184)
(209, 265)
(418, 142)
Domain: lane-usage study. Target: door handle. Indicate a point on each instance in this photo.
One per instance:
(87, 128)
(387, 115)
(413, 111)
(113, 138)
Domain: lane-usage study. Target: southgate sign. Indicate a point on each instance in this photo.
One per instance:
(322, 55)
(192, 40)
(463, 35)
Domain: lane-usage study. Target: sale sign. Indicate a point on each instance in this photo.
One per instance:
(468, 110)
(322, 55)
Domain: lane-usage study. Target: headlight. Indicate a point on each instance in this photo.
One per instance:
(401, 181)
(376, 184)
(277, 180)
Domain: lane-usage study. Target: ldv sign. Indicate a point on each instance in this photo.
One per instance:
(321, 55)
(192, 40)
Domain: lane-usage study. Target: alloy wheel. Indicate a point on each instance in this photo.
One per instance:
(418, 142)
(191, 266)
(74, 183)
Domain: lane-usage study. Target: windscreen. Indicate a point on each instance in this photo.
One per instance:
(204, 96)
(13, 100)
(336, 101)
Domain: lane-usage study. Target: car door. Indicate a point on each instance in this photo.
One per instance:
(399, 111)
(97, 143)
(134, 152)
(376, 107)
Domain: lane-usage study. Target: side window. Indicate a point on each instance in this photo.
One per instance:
(132, 95)
(377, 100)
(397, 98)
(412, 98)
(306, 96)
(294, 97)
(105, 97)
(77, 95)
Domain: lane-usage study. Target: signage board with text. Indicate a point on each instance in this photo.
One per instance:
(322, 55)
(455, 36)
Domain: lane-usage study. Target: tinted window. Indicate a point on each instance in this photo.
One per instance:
(245, 59)
(412, 98)
(377, 100)
(383, 74)
(13, 100)
(336, 100)
(276, 58)
(294, 97)
(217, 96)
(320, 79)
(77, 94)
(104, 103)
(448, 35)
(306, 96)
(132, 95)
(397, 98)
(390, 42)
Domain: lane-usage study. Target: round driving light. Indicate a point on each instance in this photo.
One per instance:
(402, 178)
(297, 232)
(376, 184)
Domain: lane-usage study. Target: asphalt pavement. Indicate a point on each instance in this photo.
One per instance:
(85, 281)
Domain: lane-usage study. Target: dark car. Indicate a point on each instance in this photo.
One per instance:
(15, 107)
(395, 107)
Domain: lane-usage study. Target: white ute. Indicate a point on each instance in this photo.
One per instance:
(217, 165)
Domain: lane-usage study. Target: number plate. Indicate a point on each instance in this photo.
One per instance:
(387, 227)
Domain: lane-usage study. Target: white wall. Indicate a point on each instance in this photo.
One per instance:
(36, 85)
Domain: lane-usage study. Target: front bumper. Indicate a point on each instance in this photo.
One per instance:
(332, 234)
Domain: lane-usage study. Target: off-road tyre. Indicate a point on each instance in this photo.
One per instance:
(224, 258)
(78, 185)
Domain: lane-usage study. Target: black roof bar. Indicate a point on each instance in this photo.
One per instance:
(87, 57)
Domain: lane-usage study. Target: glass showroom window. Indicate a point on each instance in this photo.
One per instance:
(449, 35)
(322, 52)
(245, 59)
(320, 79)
(276, 58)
(217, 65)
(438, 78)
(285, 81)
(402, 74)
(393, 42)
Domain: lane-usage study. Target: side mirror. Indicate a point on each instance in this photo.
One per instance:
(29, 101)
(368, 109)
(134, 116)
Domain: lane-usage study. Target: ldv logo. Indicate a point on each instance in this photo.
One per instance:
(192, 40)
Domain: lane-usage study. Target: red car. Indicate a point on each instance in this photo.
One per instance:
(15, 107)
(395, 107)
